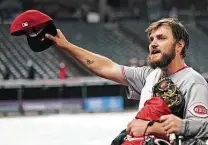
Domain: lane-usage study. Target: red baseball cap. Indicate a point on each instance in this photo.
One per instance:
(34, 24)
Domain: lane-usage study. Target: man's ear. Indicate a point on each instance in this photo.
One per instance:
(180, 45)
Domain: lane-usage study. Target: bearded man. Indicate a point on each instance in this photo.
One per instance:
(168, 43)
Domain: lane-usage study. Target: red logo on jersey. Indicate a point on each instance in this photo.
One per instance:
(199, 110)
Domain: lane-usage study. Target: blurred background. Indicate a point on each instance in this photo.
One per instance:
(48, 98)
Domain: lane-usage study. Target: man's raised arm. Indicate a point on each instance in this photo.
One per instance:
(95, 63)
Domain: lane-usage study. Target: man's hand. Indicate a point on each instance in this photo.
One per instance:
(59, 39)
(136, 127)
(171, 123)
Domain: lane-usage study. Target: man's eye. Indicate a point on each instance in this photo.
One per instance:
(162, 38)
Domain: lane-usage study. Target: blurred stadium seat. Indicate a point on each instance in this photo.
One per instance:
(98, 38)
(15, 53)
(103, 39)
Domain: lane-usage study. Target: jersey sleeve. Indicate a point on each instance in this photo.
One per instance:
(194, 128)
(194, 141)
(196, 101)
(135, 79)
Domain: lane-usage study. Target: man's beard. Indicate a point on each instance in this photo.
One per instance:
(164, 61)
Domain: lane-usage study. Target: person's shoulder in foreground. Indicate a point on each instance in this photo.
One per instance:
(190, 77)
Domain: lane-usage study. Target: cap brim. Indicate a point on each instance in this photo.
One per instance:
(40, 42)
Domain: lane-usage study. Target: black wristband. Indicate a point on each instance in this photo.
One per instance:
(151, 123)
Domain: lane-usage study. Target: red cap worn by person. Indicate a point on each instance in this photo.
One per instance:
(34, 24)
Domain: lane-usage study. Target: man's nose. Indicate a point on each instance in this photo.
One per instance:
(154, 44)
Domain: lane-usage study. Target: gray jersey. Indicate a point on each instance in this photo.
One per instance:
(192, 85)
(196, 130)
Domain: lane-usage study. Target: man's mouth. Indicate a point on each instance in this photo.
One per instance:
(155, 51)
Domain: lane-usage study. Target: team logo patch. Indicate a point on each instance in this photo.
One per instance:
(199, 110)
(25, 24)
(164, 85)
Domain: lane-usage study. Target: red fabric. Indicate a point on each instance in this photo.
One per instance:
(153, 109)
(62, 73)
(133, 142)
(28, 19)
(181, 69)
